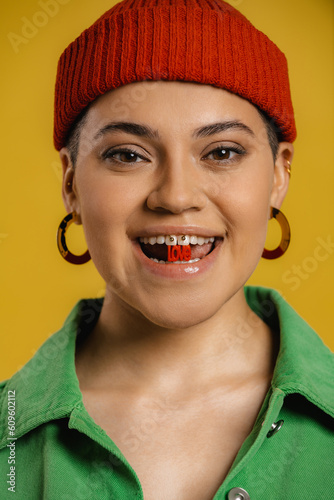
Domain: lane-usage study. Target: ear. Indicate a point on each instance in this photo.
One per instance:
(281, 174)
(69, 190)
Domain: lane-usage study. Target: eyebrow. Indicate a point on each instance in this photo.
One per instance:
(145, 131)
(129, 128)
(215, 128)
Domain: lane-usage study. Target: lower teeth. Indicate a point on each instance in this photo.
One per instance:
(175, 262)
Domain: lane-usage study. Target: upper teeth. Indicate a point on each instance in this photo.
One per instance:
(171, 239)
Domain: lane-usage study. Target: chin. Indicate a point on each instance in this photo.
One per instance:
(180, 320)
(179, 313)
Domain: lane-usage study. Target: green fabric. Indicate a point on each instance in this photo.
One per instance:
(60, 453)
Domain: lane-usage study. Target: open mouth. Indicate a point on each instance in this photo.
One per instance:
(158, 248)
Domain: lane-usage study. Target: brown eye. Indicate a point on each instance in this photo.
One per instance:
(122, 156)
(224, 155)
(127, 156)
(221, 154)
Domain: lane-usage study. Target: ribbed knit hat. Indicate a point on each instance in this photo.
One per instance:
(204, 41)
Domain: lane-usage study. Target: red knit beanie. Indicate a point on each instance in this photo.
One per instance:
(204, 41)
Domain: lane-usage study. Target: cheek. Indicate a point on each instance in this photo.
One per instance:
(107, 205)
(245, 202)
(106, 199)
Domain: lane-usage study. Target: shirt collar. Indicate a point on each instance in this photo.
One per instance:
(47, 387)
(304, 364)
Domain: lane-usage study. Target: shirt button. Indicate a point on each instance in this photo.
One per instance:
(238, 494)
(275, 427)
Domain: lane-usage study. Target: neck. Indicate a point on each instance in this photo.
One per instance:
(128, 350)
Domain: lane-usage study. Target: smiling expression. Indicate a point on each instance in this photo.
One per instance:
(162, 160)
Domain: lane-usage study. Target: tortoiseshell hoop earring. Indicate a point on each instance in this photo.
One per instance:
(61, 241)
(286, 235)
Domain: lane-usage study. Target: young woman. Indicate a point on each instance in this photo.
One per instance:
(175, 128)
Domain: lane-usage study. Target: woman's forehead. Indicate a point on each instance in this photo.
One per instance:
(164, 103)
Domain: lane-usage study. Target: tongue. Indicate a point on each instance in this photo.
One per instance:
(160, 252)
(200, 251)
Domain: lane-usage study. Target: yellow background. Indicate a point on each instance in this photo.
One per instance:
(38, 288)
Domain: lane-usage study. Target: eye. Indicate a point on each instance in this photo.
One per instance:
(220, 154)
(224, 154)
(123, 155)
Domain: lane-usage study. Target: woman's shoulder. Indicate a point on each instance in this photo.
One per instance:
(274, 309)
(305, 365)
(47, 387)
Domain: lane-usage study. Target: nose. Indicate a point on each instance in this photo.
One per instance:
(179, 188)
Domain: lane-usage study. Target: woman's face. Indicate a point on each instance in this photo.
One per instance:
(163, 159)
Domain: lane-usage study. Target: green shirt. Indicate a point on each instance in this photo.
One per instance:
(55, 450)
